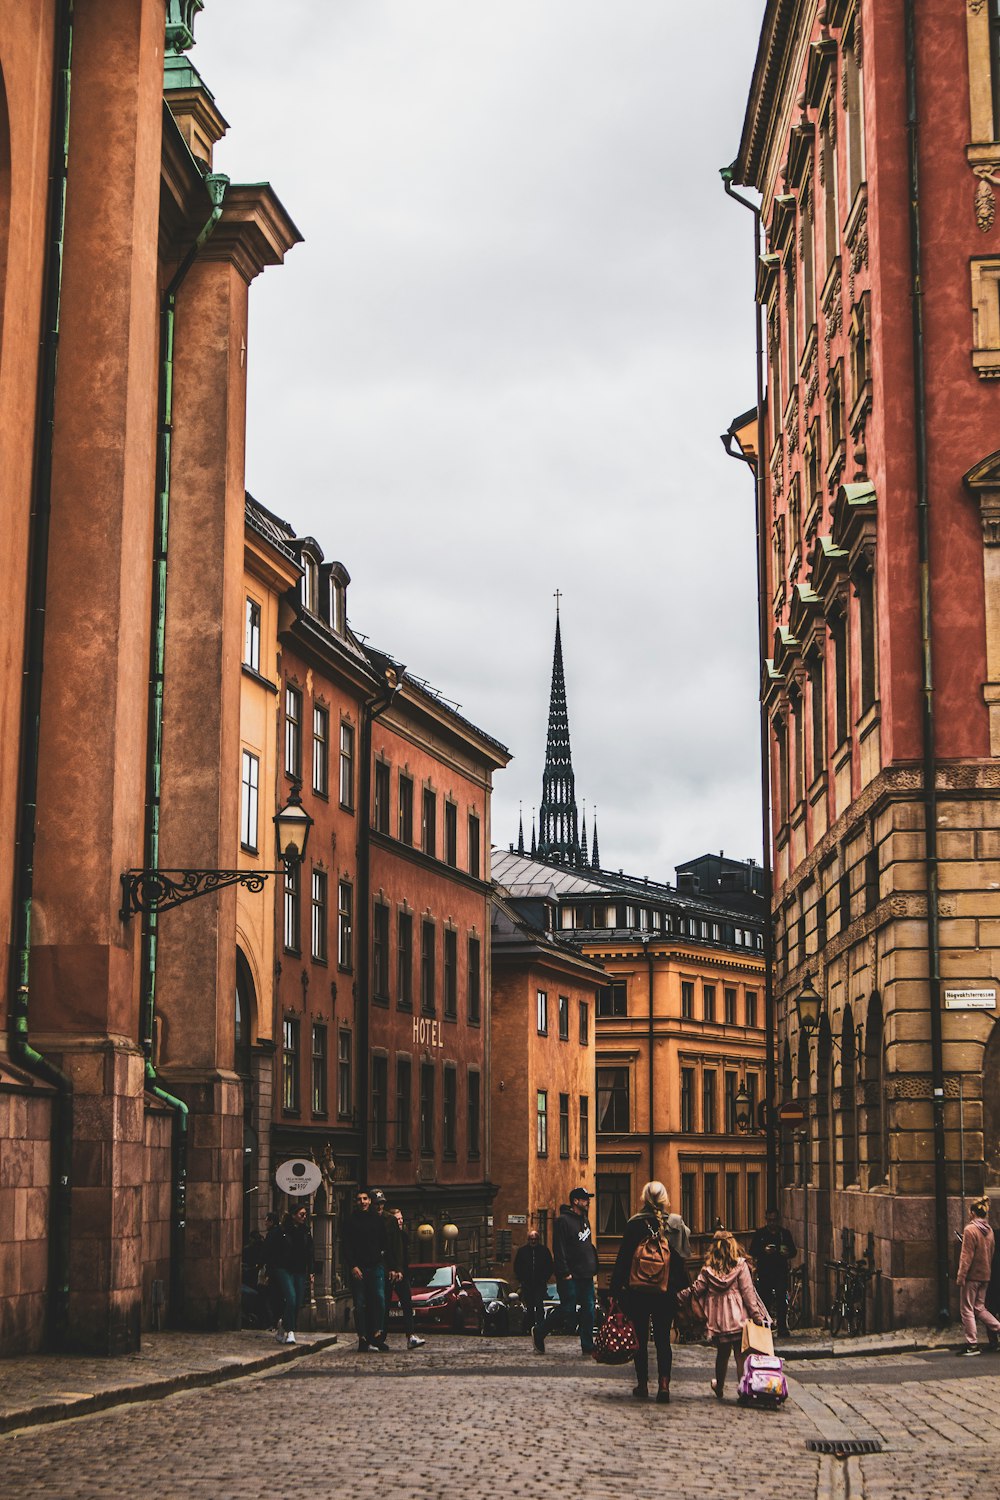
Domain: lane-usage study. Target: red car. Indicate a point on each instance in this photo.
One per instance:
(444, 1298)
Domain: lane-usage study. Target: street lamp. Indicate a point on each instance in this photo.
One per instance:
(149, 890)
(745, 1123)
(808, 1003)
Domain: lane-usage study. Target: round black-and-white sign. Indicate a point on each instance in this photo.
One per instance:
(298, 1178)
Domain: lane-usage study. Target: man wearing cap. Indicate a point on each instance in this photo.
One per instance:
(365, 1247)
(576, 1266)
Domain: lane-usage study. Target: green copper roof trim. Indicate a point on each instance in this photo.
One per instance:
(859, 494)
(829, 549)
(180, 23)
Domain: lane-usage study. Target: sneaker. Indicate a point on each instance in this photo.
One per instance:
(538, 1349)
(414, 1343)
(969, 1350)
(289, 1338)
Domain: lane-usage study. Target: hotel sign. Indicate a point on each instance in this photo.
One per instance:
(984, 999)
(427, 1033)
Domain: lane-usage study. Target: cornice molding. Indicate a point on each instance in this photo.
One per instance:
(254, 232)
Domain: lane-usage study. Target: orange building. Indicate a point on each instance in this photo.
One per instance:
(542, 1063)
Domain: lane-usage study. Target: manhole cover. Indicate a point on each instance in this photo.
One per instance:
(844, 1447)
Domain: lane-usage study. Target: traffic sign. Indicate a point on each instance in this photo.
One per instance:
(793, 1112)
(298, 1178)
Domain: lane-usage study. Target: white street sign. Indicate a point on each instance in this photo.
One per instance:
(985, 999)
(517, 1218)
(298, 1178)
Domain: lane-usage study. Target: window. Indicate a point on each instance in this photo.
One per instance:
(731, 1087)
(584, 1009)
(729, 1005)
(542, 1123)
(752, 1088)
(732, 1201)
(404, 961)
(751, 1007)
(380, 809)
(854, 99)
(380, 951)
(473, 1110)
(449, 1105)
(584, 1127)
(612, 1100)
(688, 1181)
(564, 1018)
(291, 922)
(798, 789)
(321, 751)
(835, 411)
(307, 587)
(687, 1100)
(251, 641)
(290, 1066)
(828, 177)
(428, 823)
(404, 1102)
(450, 834)
(808, 262)
(380, 1074)
(347, 766)
(613, 1202)
(318, 1069)
(474, 982)
(687, 1000)
(293, 733)
(319, 915)
(708, 1101)
(345, 925)
(450, 974)
(753, 1198)
(563, 1125)
(474, 843)
(838, 634)
(791, 326)
(711, 1196)
(405, 810)
(344, 1091)
(427, 997)
(338, 601)
(864, 585)
(248, 801)
(781, 753)
(427, 1108)
(817, 709)
(612, 1000)
(542, 1013)
(708, 1001)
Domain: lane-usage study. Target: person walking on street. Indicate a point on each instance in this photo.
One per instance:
(393, 1261)
(730, 1300)
(974, 1267)
(772, 1251)
(533, 1266)
(290, 1258)
(654, 1225)
(404, 1291)
(365, 1253)
(576, 1266)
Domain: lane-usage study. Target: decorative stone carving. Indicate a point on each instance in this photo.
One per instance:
(834, 315)
(777, 470)
(792, 423)
(985, 200)
(859, 246)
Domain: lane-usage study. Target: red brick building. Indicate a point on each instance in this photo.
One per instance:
(873, 136)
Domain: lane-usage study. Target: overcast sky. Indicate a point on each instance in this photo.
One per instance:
(500, 363)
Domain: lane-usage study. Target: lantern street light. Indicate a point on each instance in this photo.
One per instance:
(808, 1003)
(745, 1123)
(157, 890)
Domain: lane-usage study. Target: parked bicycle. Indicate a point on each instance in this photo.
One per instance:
(848, 1310)
(793, 1298)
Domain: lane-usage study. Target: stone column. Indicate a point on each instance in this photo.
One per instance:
(196, 980)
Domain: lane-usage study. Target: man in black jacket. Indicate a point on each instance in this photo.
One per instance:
(533, 1267)
(365, 1245)
(576, 1266)
(772, 1251)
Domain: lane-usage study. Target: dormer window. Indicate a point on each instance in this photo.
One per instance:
(338, 579)
(308, 586)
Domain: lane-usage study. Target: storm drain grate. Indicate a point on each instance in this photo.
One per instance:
(844, 1447)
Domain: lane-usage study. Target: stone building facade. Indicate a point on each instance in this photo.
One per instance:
(878, 492)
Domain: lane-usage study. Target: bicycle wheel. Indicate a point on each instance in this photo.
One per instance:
(836, 1319)
(856, 1316)
(793, 1312)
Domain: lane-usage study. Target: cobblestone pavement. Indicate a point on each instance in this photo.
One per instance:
(464, 1417)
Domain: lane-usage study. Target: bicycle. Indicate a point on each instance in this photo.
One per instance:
(848, 1310)
(793, 1299)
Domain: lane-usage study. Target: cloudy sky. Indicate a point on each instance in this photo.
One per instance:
(500, 363)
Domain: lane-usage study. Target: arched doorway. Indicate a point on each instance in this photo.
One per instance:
(244, 1024)
(876, 1114)
(848, 1098)
(824, 1148)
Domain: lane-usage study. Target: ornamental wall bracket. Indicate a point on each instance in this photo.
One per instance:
(984, 162)
(149, 890)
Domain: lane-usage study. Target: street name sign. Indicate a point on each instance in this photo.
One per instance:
(982, 999)
(517, 1218)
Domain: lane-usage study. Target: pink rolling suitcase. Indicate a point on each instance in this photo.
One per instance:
(763, 1381)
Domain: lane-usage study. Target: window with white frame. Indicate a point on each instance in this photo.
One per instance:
(249, 792)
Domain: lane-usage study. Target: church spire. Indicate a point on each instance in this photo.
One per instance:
(584, 856)
(558, 830)
(595, 859)
(534, 845)
(520, 828)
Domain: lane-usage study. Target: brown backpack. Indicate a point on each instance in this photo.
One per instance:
(650, 1270)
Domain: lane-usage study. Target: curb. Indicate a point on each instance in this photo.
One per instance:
(155, 1390)
(844, 1351)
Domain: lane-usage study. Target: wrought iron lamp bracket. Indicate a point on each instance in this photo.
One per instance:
(149, 890)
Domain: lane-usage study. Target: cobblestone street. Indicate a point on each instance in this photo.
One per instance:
(465, 1416)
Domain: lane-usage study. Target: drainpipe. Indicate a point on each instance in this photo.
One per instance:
(927, 683)
(216, 184)
(652, 1122)
(57, 1310)
(372, 708)
(770, 1009)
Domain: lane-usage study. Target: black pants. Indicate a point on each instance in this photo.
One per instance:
(774, 1295)
(534, 1312)
(657, 1308)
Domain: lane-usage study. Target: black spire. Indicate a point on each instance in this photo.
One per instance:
(558, 832)
(534, 845)
(595, 861)
(520, 830)
(584, 856)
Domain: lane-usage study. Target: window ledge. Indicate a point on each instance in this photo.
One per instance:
(818, 789)
(868, 720)
(250, 849)
(258, 677)
(842, 756)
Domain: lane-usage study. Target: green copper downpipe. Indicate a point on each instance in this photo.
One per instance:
(31, 702)
(216, 184)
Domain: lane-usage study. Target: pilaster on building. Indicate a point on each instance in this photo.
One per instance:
(877, 487)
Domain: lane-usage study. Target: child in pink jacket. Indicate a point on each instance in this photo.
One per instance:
(974, 1266)
(730, 1300)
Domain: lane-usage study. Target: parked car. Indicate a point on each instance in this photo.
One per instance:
(501, 1303)
(443, 1298)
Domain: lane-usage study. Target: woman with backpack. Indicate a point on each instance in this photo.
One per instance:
(974, 1266)
(648, 1273)
(730, 1300)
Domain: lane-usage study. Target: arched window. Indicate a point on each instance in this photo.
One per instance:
(824, 1071)
(876, 1118)
(787, 1136)
(309, 586)
(848, 1099)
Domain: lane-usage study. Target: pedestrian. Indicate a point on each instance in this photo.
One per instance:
(772, 1251)
(974, 1267)
(533, 1265)
(393, 1260)
(364, 1252)
(404, 1291)
(575, 1259)
(653, 1224)
(730, 1300)
(268, 1275)
(291, 1259)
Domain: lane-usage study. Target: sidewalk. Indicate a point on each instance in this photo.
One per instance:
(816, 1343)
(50, 1387)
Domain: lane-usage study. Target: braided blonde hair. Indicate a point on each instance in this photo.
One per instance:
(656, 1199)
